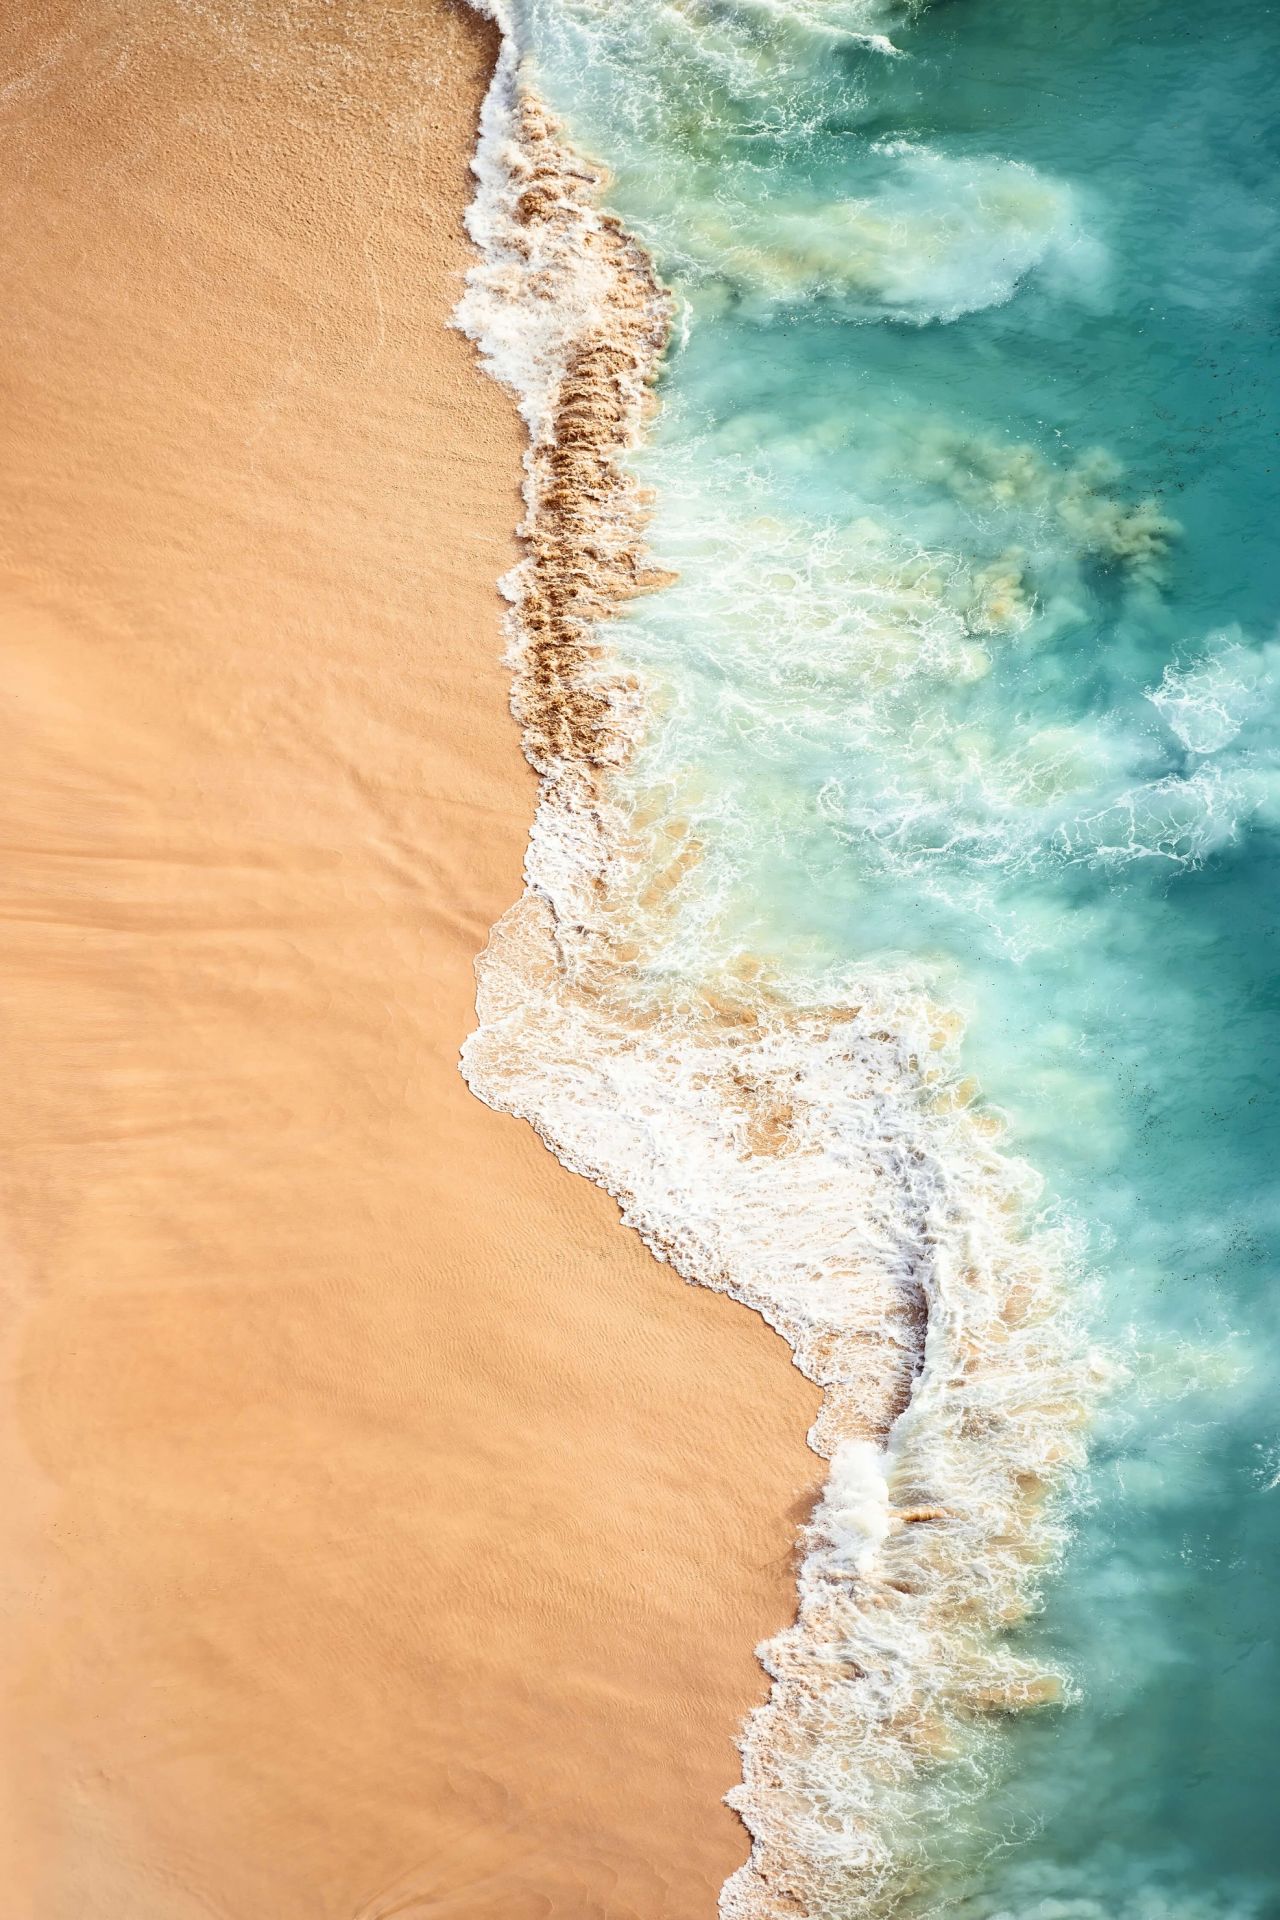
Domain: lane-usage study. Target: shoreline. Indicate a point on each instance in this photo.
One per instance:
(804, 1145)
(388, 1531)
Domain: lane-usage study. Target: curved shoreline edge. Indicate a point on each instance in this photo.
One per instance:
(817, 1158)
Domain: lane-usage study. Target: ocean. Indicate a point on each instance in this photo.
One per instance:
(898, 646)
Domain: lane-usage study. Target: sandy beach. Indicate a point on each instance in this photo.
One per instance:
(386, 1533)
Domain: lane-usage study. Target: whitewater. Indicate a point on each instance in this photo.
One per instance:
(897, 663)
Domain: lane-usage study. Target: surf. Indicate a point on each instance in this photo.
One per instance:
(866, 707)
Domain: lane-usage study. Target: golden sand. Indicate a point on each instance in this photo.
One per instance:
(385, 1533)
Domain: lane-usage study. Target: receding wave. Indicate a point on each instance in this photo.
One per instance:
(811, 1149)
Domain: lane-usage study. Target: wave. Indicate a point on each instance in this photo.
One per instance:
(937, 238)
(812, 1150)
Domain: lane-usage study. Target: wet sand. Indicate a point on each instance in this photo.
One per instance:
(385, 1532)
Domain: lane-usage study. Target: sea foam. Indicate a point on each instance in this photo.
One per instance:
(810, 1149)
(938, 238)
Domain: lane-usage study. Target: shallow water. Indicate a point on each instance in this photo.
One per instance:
(967, 464)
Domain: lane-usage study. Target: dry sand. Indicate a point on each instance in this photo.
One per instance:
(385, 1533)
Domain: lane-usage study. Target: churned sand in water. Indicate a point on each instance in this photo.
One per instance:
(386, 1534)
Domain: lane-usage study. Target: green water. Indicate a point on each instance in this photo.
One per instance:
(968, 462)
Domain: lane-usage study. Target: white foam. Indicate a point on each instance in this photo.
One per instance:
(861, 21)
(1209, 700)
(530, 296)
(937, 238)
(856, 1510)
(814, 1161)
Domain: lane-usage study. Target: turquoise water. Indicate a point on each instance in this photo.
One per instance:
(968, 462)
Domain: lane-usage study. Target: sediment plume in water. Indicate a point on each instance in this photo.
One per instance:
(818, 1159)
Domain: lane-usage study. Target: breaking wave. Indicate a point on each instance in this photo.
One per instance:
(810, 1148)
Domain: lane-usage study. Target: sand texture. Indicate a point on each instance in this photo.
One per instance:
(386, 1533)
